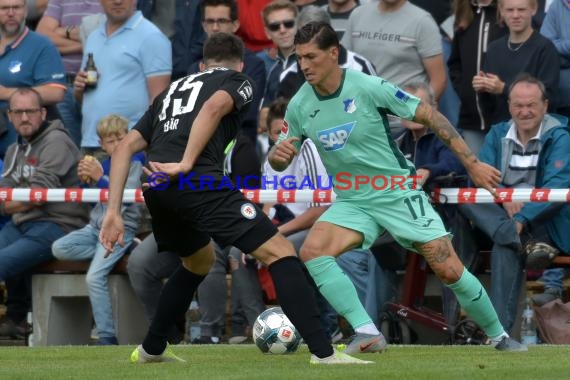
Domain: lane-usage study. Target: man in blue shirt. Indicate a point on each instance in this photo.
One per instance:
(27, 59)
(134, 63)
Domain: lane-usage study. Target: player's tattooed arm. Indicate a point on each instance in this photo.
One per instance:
(430, 117)
(482, 174)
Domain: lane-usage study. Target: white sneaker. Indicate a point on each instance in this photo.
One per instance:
(139, 355)
(364, 343)
(338, 358)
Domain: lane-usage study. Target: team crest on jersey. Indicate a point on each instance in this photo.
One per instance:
(15, 67)
(335, 138)
(349, 105)
(248, 211)
(246, 92)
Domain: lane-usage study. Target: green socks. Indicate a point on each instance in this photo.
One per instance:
(474, 299)
(339, 291)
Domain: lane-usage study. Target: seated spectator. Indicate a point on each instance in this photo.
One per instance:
(84, 244)
(43, 157)
(531, 151)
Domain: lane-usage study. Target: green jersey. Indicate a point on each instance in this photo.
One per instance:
(351, 132)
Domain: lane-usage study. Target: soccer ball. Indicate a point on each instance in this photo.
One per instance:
(274, 333)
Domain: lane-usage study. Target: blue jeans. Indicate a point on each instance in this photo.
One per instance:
(506, 260)
(70, 113)
(84, 244)
(553, 278)
(25, 246)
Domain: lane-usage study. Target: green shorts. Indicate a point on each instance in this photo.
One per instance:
(406, 214)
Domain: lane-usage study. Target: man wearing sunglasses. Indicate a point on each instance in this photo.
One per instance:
(280, 20)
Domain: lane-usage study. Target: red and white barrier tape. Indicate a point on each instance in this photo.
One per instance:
(448, 195)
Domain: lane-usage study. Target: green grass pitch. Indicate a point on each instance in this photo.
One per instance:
(209, 362)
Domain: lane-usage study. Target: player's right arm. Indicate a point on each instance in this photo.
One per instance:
(112, 229)
(209, 117)
(482, 174)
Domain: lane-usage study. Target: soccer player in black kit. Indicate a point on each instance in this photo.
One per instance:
(186, 130)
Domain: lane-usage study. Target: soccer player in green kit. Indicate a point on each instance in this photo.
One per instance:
(345, 113)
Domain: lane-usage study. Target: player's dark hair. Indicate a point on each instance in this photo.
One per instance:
(321, 32)
(276, 110)
(220, 3)
(223, 47)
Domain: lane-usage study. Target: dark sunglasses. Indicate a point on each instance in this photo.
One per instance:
(275, 26)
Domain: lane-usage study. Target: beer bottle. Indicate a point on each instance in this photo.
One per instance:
(91, 71)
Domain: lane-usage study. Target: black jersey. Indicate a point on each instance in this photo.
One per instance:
(167, 123)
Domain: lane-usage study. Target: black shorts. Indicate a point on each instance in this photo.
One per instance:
(183, 221)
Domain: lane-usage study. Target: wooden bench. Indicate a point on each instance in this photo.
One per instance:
(561, 261)
(62, 311)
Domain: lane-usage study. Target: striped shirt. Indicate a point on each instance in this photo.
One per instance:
(521, 171)
(70, 13)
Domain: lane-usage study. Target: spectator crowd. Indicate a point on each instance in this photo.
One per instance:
(499, 70)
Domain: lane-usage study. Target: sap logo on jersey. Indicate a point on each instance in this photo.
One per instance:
(335, 138)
